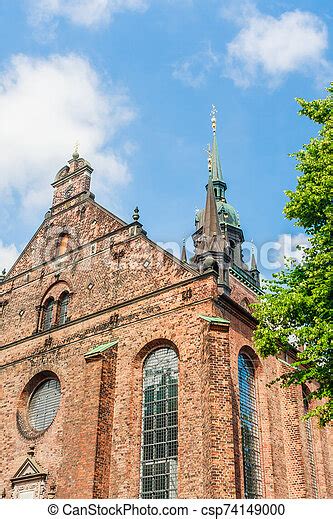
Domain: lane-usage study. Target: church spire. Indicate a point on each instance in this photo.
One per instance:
(214, 163)
(215, 156)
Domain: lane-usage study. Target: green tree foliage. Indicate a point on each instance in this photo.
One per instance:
(296, 311)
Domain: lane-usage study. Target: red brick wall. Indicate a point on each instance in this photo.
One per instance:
(144, 299)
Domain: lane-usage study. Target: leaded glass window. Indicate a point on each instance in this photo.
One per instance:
(249, 428)
(309, 442)
(159, 447)
(63, 307)
(47, 314)
(44, 404)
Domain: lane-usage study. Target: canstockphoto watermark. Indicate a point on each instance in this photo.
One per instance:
(69, 249)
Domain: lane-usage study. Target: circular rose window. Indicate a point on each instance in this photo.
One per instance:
(44, 404)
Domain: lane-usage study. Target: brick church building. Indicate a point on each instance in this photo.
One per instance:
(127, 372)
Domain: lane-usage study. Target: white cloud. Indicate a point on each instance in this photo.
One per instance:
(86, 13)
(269, 48)
(8, 255)
(274, 255)
(45, 106)
(193, 70)
(289, 247)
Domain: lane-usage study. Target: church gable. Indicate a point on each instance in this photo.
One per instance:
(131, 267)
(80, 225)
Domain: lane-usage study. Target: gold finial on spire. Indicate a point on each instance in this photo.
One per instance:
(213, 113)
(76, 151)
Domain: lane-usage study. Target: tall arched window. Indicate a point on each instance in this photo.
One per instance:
(63, 308)
(47, 314)
(249, 428)
(309, 443)
(159, 446)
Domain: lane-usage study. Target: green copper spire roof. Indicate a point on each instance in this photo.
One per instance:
(226, 212)
(216, 169)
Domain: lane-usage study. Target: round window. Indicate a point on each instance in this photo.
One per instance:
(44, 404)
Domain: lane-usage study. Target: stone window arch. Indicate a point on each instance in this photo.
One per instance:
(159, 441)
(249, 421)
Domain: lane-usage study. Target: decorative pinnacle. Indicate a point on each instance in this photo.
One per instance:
(253, 257)
(184, 255)
(213, 113)
(136, 215)
(76, 151)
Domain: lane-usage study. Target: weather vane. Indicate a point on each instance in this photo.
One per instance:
(213, 113)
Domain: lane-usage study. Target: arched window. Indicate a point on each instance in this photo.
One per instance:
(47, 314)
(63, 308)
(249, 428)
(309, 443)
(159, 447)
(62, 243)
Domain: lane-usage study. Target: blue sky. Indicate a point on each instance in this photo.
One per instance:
(133, 81)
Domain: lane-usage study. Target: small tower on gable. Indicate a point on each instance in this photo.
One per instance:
(72, 182)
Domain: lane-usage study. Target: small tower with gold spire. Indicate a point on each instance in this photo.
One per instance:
(216, 170)
(218, 234)
(211, 250)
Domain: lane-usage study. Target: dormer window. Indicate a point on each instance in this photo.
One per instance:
(47, 314)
